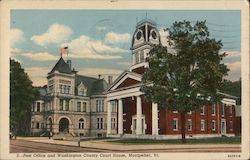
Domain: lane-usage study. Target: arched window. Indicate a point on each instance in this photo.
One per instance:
(81, 123)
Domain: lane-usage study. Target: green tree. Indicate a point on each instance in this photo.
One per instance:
(22, 94)
(233, 88)
(188, 73)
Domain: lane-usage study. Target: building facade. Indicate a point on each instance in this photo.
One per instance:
(70, 104)
(85, 106)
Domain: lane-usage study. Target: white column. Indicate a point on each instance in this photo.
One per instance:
(138, 115)
(35, 107)
(154, 119)
(120, 117)
(109, 118)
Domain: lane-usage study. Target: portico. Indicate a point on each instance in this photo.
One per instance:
(136, 120)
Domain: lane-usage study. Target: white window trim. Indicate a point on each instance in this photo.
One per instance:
(203, 121)
(175, 119)
(213, 106)
(191, 126)
(175, 111)
(223, 108)
(203, 108)
(213, 129)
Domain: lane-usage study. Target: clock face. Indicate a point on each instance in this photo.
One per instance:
(138, 35)
(154, 34)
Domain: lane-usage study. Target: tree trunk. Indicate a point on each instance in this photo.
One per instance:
(183, 128)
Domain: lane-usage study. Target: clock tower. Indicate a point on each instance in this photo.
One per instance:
(145, 36)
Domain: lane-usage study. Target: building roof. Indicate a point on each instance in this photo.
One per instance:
(62, 67)
(93, 85)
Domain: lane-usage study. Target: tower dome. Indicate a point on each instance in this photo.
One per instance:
(145, 36)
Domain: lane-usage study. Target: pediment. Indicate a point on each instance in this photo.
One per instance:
(126, 79)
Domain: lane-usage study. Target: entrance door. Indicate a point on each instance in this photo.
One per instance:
(64, 125)
(223, 127)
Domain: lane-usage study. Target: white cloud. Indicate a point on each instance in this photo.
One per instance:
(163, 37)
(16, 36)
(232, 54)
(38, 75)
(124, 63)
(56, 33)
(87, 48)
(235, 70)
(113, 38)
(15, 51)
(40, 56)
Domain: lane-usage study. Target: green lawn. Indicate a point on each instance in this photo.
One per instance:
(218, 140)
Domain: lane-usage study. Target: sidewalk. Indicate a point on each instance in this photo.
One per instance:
(103, 144)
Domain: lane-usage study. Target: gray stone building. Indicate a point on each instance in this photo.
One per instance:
(71, 105)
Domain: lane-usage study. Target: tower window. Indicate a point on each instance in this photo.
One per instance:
(138, 35)
(154, 34)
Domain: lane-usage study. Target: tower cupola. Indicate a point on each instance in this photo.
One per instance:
(145, 36)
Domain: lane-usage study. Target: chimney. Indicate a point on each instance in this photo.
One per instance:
(69, 63)
(110, 79)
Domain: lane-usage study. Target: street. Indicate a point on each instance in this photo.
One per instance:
(51, 146)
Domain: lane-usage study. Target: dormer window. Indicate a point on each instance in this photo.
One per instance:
(82, 90)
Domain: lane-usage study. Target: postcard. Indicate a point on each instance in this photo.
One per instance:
(124, 79)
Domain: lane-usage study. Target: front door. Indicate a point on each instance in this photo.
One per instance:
(133, 127)
(64, 125)
(223, 127)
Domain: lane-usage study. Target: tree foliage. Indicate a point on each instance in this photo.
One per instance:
(233, 88)
(22, 94)
(188, 73)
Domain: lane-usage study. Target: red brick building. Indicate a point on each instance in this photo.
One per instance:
(138, 118)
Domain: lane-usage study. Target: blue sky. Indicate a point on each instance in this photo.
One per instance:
(99, 40)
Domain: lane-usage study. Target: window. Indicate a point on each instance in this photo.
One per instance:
(175, 111)
(113, 106)
(64, 89)
(190, 112)
(222, 110)
(189, 124)
(67, 105)
(37, 125)
(81, 124)
(141, 56)
(99, 105)
(84, 106)
(175, 124)
(81, 134)
(38, 106)
(61, 104)
(230, 110)
(51, 88)
(202, 110)
(213, 109)
(78, 106)
(136, 58)
(42, 125)
(213, 125)
(99, 123)
(231, 125)
(202, 125)
(113, 123)
(43, 107)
